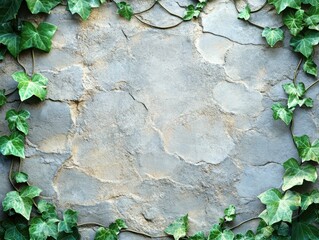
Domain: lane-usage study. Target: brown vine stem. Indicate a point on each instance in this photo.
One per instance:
(243, 222)
(157, 27)
(88, 224)
(21, 65)
(173, 14)
(33, 60)
(258, 9)
(146, 10)
(10, 175)
(291, 130)
(313, 84)
(143, 234)
(297, 71)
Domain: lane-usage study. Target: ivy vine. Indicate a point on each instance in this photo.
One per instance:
(289, 212)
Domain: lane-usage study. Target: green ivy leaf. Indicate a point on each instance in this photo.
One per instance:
(217, 233)
(124, 10)
(304, 231)
(273, 35)
(41, 229)
(311, 2)
(118, 225)
(296, 174)
(281, 5)
(279, 207)
(47, 210)
(70, 219)
(3, 98)
(230, 213)
(105, 234)
(310, 67)
(15, 233)
(198, 236)
(45, 6)
(69, 236)
(245, 13)
(292, 89)
(304, 43)
(9, 9)
(21, 203)
(12, 145)
(20, 177)
(312, 16)
(36, 86)
(191, 12)
(81, 7)
(18, 120)
(40, 37)
(178, 228)
(282, 112)
(309, 198)
(294, 20)
(306, 150)
(248, 236)
(10, 39)
(295, 93)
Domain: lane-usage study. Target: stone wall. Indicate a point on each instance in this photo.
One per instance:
(148, 125)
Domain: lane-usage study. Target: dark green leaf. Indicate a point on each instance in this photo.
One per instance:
(281, 5)
(9, 9)
(230, 213)
(273, 35)
(248, 236)
(282, 112)
(296, 174)
(41, 229)
(294, 20)
(312, 16)
(245, 13)
(37, 6)
(47, 210)
(217, 233)
(311, 2)
(14, 233)
(306, 150)
(36, 86)
(310, 67)
(198, 236)
(178, 228)
(105, 234)
(191, 12)
(304, 231)
(81, 7)
(12, 145)
(279, 207)
(3, 98)
(69, 236)
(10, 39)
(309, 198)
(304, 43)
(124, 10)
(40, 37)
(18, 120)
(20, 177)
(117, 226)
(70, 219)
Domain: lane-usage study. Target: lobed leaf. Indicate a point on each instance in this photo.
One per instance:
(20, 177)
(310, 67)
(281, 5)
(179, 228)
(217, 233)
(45, 6)
(42, 229)
(10, 39)
(304, 43)
(273, 35)
(12, 145)
(282, 112)
(70, 219)
(245, 13)
(81, 7)
(9, 10)
(294, 20)
(124, 10)
(306, 150)
(18, 120)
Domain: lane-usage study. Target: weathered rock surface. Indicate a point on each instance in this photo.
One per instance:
(148, 125)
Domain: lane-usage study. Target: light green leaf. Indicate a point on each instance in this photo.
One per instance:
(81, 7)
(294, 20)
(230, 213)
(18, 120)
(282, 112)
(245, 13)
(41, 229)
(40, 37)
(292, 89)
(20, 177)
(19, 204)
(217, 233)
(12, 145)
(36, 86)
(198, 236)
(47, 210)
(296, 174)
(105, 234)
(273, 35)
(9, 9)
(30, 192)
(45, 6)
(10, 39)
(118, 225)
(306, 150)
(178, 228)
(304, 43)
(70, 219)
(124, 10)
(310, 67)
(279, 207)
(309, 198)
(304, 231)
(281, 5)
(3, 98)
(191, 12)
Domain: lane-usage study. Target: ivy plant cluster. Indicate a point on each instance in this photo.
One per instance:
(289, 214)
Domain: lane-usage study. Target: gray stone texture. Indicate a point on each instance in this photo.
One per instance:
(148, 125)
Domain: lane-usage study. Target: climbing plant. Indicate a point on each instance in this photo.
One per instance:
(290, 212)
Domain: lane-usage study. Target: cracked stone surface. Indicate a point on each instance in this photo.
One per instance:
(148, 125)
